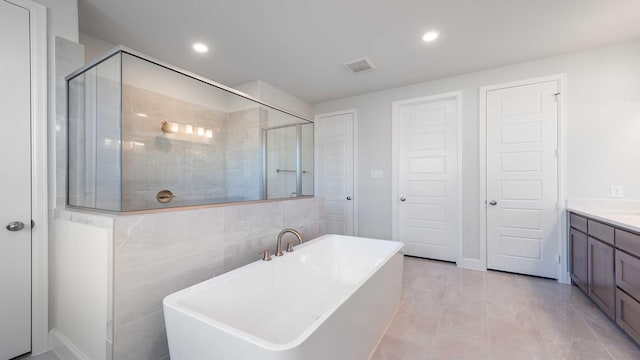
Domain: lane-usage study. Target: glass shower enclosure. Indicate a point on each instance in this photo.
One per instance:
(144, 135)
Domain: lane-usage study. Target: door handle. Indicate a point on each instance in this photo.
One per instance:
(403, 199)
(348, 197)
(15, 226)
(493, 203)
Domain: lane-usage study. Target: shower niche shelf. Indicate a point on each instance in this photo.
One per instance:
(138, 126)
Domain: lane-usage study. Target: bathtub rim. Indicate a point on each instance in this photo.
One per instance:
(171, 300)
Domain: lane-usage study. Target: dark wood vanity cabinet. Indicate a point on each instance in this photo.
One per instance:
(602, 283)
(579, 252)
(605, 264)
(592, 261)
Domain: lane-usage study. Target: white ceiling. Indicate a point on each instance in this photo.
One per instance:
(299, 45)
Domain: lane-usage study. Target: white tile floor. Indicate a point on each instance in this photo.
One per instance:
(451, 313)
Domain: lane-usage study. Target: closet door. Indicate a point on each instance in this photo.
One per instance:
(15, 157)
(335, 138)
(522, 179)
(426, 197)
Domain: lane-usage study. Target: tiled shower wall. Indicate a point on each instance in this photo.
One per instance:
(160, 253)
(244, 154)
(192, 166)
(223, 163)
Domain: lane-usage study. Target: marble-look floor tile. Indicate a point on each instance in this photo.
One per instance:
(578, 350)
(462, 348)
(606, 331)
(563, 329)
(451, 313)
(623, 353)
(414, 321)
(463, 323)
(393, 348)
(49, 355)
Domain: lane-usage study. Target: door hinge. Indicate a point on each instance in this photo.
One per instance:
(559, 259)
(556, 96)
(557, 152)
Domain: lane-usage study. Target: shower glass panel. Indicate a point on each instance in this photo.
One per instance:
(146, 135)
(94, 137)
(288, 161)
(306, 148)
(282, 162)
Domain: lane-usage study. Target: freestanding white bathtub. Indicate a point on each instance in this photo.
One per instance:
(332, 298)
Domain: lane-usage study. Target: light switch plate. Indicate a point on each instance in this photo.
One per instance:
(617, 191)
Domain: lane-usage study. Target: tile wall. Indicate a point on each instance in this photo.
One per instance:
(192, 166)
(244, 154)
(160, 253)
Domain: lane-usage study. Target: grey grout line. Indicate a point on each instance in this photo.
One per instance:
(138, 319)
(180, 257)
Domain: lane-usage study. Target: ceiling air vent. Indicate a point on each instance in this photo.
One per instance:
(359, 65)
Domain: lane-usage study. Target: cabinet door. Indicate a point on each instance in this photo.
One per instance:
(628, 314)
(601, 276)
(628, 273)
(578, 250)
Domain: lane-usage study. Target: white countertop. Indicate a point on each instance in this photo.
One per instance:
(623, 219)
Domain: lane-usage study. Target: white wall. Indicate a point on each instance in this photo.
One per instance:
(62, 18)
(276, 97)
(82, 256)
(94, 47)
(603, 101)
(62, 21)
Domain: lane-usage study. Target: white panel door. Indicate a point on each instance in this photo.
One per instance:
(335, 170)
(522, 179)
(427, 177)
(15, 182)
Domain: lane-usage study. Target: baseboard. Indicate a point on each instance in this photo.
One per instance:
(471, 264)
(565, 279)
(64, 348)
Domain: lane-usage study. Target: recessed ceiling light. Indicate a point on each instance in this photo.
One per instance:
(142, 114)
(429, 36)
(200, 47)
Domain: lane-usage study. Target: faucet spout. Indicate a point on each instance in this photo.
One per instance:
(295, 232)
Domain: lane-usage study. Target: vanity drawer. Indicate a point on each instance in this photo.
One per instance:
(578, 222)
(628, 273)
(628, 314)
(628, 242)
(600, 231)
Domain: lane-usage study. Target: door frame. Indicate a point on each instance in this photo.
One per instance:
(39, 201)
(458, 96)
(354, 112)
(481, 264)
